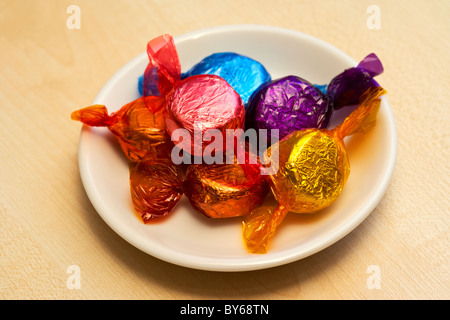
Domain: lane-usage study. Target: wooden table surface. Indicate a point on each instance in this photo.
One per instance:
(48, 225)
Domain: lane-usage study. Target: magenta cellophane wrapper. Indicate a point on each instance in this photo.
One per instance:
(201, 103)
(196, 104)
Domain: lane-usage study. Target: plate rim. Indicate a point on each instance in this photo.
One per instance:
(258, 263)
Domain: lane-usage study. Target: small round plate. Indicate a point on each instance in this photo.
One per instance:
(186, 237)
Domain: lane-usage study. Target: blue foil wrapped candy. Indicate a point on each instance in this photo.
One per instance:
(244, 74)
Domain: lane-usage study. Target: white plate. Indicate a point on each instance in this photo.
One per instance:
(188, 238)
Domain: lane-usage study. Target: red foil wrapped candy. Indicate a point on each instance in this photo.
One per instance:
(203, 105)
(196, 104)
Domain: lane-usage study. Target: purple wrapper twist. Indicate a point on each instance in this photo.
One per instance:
(346, 88)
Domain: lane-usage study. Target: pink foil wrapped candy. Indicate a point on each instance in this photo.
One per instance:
(196, 104)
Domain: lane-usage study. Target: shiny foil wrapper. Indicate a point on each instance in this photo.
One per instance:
(198, 105)
(216, 190)
(313, 169)
(287, 104)
(225, 190)
(347, 87)
(244, 74)
(201, 105)
(156, 188)
(140, 132)
(163, 71)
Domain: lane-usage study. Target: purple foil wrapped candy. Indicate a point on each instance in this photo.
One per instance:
(287, 104)
(346, 88)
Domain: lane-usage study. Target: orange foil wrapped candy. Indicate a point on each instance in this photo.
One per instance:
(214, 190)
(140, 132)
(196, 104)
(225, 190)
(312, 171)
(156, 187)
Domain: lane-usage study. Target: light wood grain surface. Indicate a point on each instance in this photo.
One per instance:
(48, 224)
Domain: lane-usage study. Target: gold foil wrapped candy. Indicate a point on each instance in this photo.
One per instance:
(312, 171)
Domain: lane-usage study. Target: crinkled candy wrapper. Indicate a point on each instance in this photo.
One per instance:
(312, 171)
(346, 88)
(156, 187)
(197, 104)
(140, 133)
(287, 104)
(216, 190)
(292, 103)
(225, 190)
(244, 74)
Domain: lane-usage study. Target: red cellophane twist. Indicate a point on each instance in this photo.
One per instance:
(196, 104)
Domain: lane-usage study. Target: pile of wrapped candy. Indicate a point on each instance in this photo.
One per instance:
(228, 91)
